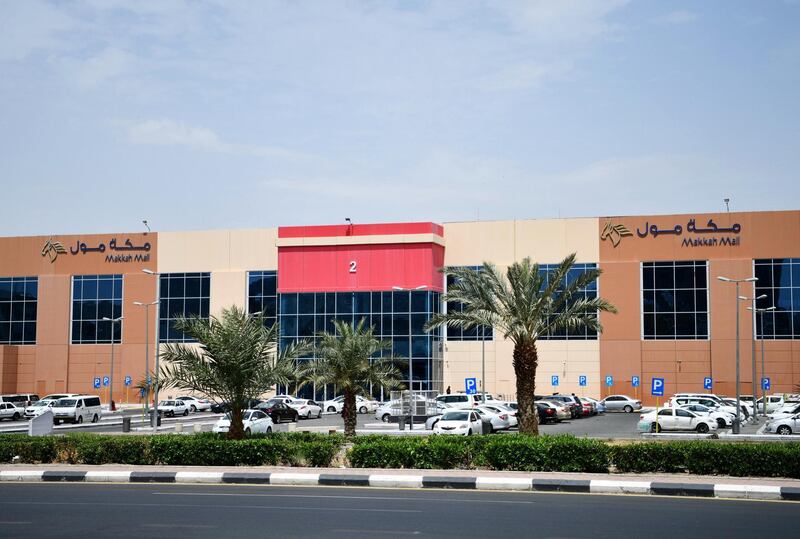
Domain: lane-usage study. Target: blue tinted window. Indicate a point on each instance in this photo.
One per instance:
(95, 297)
(461, 334)
(182, 295)
(588, 292)
(18, 309)
(675, 300)
(779, 281)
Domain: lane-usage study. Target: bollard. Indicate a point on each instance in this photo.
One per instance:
(126, 424)
(402, 423)
(291, 427)
(198, 427)
(179, 427)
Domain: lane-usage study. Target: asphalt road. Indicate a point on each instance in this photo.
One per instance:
(141, 511)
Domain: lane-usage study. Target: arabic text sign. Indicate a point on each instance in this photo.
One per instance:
(471, 386)
(657, 387)
(118, 251)
(700, 234)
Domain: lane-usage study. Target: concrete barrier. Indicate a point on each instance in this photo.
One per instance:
(41, 425)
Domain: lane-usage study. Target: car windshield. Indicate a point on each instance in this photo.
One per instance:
(42, 403)
(166, 403)
(67, 402)
(272, 402)
(455, 416)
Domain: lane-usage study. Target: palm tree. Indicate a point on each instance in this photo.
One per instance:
(237, 359)
(523, 306)
(347, 358)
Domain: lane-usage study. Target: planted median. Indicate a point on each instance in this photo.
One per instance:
(514, 453)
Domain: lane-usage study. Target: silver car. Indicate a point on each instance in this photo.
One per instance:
(621, 403)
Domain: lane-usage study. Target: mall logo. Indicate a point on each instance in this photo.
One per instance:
(53, 249)
(614, 233)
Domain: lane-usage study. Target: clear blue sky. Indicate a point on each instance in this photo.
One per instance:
(254, 114)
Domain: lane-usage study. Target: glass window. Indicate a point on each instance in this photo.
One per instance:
(262, 295)
(675, 300)
(96, 297)
(18, 308)
(779, 280)
(461, 334)
(589, 292)
(182, 294)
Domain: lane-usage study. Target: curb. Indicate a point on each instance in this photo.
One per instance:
(594, 486)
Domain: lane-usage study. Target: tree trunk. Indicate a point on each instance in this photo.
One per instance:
(526, 359)
(236, 430)
(349, 413)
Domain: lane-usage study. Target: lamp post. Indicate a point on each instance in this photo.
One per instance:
(737, 422)
(154, 419)
(146, 350)
(753, 355)
(410, 361)
(111, 377)
(763, 391)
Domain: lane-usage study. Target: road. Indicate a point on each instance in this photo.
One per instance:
(141, 511)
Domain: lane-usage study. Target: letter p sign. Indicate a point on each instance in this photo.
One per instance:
(657, 387)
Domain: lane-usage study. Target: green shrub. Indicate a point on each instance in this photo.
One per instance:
(31, 450)
(548, 453)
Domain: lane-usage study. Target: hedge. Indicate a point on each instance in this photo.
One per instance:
(288, 449)
(504, 452)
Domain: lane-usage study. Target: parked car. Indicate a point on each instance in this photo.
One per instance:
(8, 410)
(254, 421)
(716, 405)
(279, 411)
(173, 407)
(463, 422)
(306, 408)
(784, 426)
(774, 402)
(498, 420)
(363, 405)
(599, 407)
(676, 419)
(224, 407)
(572, 402)
(464, 400)
(786, 411)
(431, 421)
(21, 400)
(503, 409)
(38, 407)
(747, 409)
(723, 419)
(621, 403)
(546, 413)
(56, 396)
(77, 409)
(562, 410)
(195, 404)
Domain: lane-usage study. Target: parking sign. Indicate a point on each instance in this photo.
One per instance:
(765, 384)
(97, 383)
(106, 381)
(635, 381)
(708, 383)
(471, 385)
(554, 380)
(657, 387)
(582, 380)
(128, 381)
(609, 380)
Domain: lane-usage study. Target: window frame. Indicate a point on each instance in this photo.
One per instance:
(642, 314)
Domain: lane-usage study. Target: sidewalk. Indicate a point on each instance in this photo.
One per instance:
(651, 484)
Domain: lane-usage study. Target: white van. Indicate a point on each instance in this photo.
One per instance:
(463, 400)
(77, 409)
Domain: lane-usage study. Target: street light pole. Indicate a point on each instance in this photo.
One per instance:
(111, 377)
(753, 356)
(763, 391)
(737, 424)
(154, 419)
(146, 351)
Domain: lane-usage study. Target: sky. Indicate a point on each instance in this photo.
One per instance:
(225, 114)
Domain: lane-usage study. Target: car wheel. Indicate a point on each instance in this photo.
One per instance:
(319, 414)
(295, 417)
(702, 428)
(720, 423)
(362, 410)
(194, 408)
(269, 430)
(247, 431)
(469, 432)
(784, 430)
(385, 418)
(331, 409)
(628, 409)
(16, 416)
(95, 419)
(80, 420)
(185, 413)
(655, 427)
(308, 415)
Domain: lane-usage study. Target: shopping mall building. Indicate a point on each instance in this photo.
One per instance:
(60, 295)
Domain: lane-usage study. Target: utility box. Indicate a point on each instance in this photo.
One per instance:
(126, 424)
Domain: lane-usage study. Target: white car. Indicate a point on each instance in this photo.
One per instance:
(676, 419)
(38, 407)
(173, 407)
(786, 411)
(363, 406)
(498, 420)
(463, 422)
(195, 404)
(501, 409)
(723, 419)
(306, 408)
(254, 421)
(9, 411)
(784, 426)
(717, 405)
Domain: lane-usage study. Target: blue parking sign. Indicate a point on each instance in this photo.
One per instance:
(128, 381)
(657, 387)
(635, 382)
(554, 380)
(471, 385)
(765, 384)
(106, 381)
(97, 383)
(609, 380)
(708, 383)
(582, 380)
